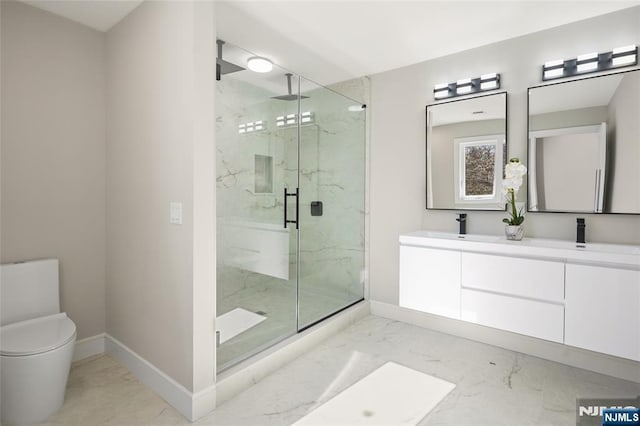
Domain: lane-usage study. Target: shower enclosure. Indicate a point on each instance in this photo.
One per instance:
(290, 205)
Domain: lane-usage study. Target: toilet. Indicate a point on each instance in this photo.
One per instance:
(36, 342)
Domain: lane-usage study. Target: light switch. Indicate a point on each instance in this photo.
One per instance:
(175, 213)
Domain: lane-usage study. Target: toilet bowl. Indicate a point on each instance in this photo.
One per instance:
(36, 344)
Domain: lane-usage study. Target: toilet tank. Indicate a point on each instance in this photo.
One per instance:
(28, 290)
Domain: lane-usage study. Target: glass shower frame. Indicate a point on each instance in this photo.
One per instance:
(325, 257)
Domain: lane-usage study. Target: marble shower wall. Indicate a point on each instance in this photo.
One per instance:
(332, 170)
(239, 205)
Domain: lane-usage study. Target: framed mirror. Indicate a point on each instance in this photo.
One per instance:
(466, 153)
(584, 145)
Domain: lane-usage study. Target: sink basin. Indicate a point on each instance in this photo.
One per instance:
(454, 237)
(588, 247)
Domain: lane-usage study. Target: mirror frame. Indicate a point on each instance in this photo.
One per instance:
(571, 80)
(426, 138)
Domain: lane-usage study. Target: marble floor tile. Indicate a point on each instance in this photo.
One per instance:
(494, 386)
(100, 391)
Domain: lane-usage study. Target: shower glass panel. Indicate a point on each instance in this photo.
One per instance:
(256, 256)
(281, 156)
(332, 178)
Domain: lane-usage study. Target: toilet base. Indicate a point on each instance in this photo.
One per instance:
(33, 386)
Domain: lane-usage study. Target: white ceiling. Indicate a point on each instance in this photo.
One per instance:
(97, 14)
(330, 40)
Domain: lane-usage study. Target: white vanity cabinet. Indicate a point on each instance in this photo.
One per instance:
(430, 280)
(603, 310)
(587, 297)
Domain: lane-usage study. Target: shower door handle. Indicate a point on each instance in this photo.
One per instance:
(286, 196)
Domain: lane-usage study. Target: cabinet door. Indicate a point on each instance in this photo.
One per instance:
(430, 280)
(602, 310)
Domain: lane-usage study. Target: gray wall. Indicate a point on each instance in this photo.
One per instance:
(398, 152)
(100, 132)
(53, 154)
(160, 277)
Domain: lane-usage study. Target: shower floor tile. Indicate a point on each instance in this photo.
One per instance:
(278, 300)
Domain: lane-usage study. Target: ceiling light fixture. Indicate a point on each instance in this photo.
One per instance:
(259, 64)
(590, 62)
(467, 86)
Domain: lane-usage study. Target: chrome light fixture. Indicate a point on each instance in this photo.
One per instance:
(259, 64)
(590, 62)
(467, 86)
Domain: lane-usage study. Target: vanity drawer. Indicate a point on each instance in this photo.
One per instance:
(529, 317)
(537, 279)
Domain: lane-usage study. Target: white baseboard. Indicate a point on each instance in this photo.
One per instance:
(87, 347)
(192, 406)
(203, 403)
(575, 357)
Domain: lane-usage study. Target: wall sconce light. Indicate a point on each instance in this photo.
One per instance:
(467, 86)
(590, 62)
(259, 64)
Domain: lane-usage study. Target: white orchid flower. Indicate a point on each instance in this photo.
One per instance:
(513, 172)
(512, 183)
(515, 169)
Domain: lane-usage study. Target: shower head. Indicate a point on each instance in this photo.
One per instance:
(290, 96)
(224, 67)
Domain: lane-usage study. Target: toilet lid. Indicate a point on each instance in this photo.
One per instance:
(36, 335)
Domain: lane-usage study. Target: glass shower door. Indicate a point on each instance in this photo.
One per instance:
(257, 161)
(332, 192)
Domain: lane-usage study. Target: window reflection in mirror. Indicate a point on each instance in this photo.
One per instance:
(584, 145)
(466, 153)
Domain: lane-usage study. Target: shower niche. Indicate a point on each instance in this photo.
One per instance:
(277, 134)
(263, 174)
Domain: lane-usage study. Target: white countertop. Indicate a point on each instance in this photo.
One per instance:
(598, 253)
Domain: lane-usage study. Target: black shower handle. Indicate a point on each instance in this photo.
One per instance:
(286, 195)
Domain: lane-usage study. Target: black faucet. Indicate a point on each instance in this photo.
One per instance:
(580, 230)
(462, 220)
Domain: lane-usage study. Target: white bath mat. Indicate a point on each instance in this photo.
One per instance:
(235, 322)
(391, 395)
